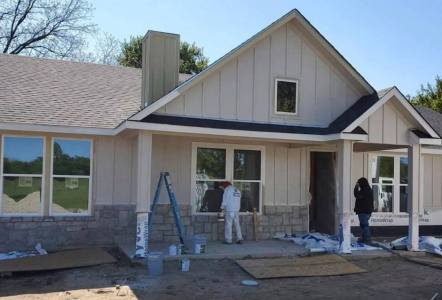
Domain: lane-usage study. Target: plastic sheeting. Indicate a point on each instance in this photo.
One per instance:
(38, 250)
(426, 243)
(321, 242)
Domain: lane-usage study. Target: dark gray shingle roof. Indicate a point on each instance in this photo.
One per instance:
(432, 117)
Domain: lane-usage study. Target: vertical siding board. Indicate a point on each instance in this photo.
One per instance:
(437, 179)
(307, 92)
(375, 126)
(105, 152)
(294, 43)
(401, 131)
(245, 86)
(261, 102)
(122, 182)
(176, 107)
(281, 176)
(294, 178)
(277, 64)
(337, 94)
(228, 83)
(270, 176)
(193, 99)
(428, 181)
(389, 124)
(211, 96)
(323, 107)
(303, 174)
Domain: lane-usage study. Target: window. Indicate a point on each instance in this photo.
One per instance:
(71, 176)
(286, 96)
(389, 178)
(22, 175)
(214, 164)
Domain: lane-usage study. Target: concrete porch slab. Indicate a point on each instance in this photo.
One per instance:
(218, 250)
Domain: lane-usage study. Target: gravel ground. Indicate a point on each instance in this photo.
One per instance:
(388, 278)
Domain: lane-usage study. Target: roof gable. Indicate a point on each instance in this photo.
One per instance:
(293, 15)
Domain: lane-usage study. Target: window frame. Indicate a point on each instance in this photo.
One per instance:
(230, 148)
(42, 176)
(52, 176)
(396, 181)
(275, 101)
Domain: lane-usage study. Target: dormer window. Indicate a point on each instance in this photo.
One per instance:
(286, 97)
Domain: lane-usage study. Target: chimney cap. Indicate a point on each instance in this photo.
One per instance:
(162, 33)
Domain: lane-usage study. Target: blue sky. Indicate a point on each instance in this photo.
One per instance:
(389, 42)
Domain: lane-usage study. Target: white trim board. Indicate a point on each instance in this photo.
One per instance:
(292, 15)
(393, 92)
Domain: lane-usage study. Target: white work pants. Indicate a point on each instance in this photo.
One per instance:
(232, 218)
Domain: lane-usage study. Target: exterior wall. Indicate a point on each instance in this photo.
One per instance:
(109, 225)
(243, 88)
(112, 216)
(433, 182)
(390, 124)
(285, 169)
(275, 219)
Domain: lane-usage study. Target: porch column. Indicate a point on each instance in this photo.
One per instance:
(144, 158)
(414, 159)
(345, 149)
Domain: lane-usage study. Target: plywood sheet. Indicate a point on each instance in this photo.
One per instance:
(323, 265)
(58, 260)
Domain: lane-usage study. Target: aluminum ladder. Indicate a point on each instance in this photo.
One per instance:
(165, 176)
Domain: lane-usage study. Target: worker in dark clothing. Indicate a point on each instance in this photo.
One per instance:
(364, 207)
(212, 198)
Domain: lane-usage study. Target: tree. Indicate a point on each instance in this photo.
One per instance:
(430, 96)
(44, 28)
(192, 59)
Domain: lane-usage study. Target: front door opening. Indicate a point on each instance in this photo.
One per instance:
(323, 190)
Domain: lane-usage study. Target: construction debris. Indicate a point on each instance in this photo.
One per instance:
(38, 250)
(321, 242)
(428, 244)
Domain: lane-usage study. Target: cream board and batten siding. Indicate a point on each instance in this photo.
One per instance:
(285, 169)
(244, 88)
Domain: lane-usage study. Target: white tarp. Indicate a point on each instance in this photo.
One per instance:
(321, 242)
(426, 243)
(38, 250)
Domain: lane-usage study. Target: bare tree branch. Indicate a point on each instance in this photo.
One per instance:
(49, 28)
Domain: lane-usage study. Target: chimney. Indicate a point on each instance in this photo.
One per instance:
(161, 58)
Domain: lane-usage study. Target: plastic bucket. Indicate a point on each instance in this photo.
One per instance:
(155, 263)
(199, 244)
(185, 265)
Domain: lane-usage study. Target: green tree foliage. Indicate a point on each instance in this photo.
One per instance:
(12, 166)
(192, 59)
(65, 164)
(430, 96)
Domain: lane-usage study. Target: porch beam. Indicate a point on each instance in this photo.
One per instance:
(414, 160)
(345, 149)
(144, 159)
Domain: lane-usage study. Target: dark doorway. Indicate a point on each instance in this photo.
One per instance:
(323, 190)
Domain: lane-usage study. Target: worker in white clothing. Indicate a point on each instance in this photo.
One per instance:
(231, 205)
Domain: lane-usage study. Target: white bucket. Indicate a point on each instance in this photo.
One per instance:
(185, 265)
(173, 250)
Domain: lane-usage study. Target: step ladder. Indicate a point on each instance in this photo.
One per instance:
(165, 176)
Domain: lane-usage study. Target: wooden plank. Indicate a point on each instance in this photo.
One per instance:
(269, 188)
(323, 265)
(211, 96)
(193, 101)
(58, 260)
(245, 86)
(294, 177)
(281, 176)
(228, 84)
(261, 101)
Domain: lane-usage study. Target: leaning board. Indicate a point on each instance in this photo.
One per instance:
(321, 265)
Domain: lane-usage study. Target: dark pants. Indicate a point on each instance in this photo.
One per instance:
(363, 222)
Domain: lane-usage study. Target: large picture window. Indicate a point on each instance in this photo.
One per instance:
(286, 96)
(22, 175)
(389, 179)
(71, 176)
(214, 164)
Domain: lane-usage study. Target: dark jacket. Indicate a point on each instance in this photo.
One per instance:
(364, 200)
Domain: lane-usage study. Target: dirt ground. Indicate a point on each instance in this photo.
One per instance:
(388, 278)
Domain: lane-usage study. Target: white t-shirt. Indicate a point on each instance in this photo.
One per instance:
(231, 199)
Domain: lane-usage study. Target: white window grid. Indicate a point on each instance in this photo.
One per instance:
(41, 176)
(230, 148)
(89, 177)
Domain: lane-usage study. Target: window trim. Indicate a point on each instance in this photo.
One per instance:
(52, 176)
(42, 176)
(275, 101)
(230, 148)
(396, 180)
